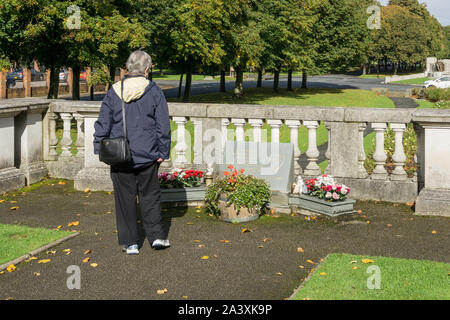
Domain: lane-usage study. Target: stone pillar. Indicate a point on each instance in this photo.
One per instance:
(239, 123)
(95, 175)
(328, 153)
(29, 155)
(312, 169)
(379, 173)
(294, 125)
(434, 155)
(399, 156)
(256, 126)
(275, 126)
(27, 81)
(181, 147)
(10, 177)
(47, 79)
(198, 140)
(3, 91)
(80, 135)
(66, 141)
(362, 172)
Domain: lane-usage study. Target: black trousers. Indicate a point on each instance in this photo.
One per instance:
(130, 184)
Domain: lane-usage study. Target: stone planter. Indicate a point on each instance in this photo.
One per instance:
(183, 194)
(316, 205)
(229, 213)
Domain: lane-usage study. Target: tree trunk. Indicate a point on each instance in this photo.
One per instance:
(378, 69)
(222, 81)
(54, 83)
(259, 82)
(289, 84)
(76, 82)
(239, 84)
(304, 79)
(276, 80)
(180, 85)
(364, 69)
(396, 68)
(187, 87)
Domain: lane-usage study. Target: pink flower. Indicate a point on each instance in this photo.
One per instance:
(328, 195)
(335, 196)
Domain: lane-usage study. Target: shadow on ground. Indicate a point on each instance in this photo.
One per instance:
(261, 264)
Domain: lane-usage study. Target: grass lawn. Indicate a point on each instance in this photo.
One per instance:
(425, 104)
(412, 81)
(337, 278)
(300, 97)
(16, 240)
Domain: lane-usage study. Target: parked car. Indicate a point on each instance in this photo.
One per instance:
(442, 82)
(63, 74)
(83, 75)
(11, 79)
(36, 75)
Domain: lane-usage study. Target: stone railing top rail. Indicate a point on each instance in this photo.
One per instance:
(249, 111)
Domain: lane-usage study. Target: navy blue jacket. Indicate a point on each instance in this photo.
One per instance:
(148, 125)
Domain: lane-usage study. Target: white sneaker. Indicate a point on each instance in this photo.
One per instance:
(133, 249)
(160, 244)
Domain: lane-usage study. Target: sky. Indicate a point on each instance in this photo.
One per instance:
(440, 9)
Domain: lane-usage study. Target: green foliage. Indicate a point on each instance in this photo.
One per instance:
(239, 190)
(436, 94)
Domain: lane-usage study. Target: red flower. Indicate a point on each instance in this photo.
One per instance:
(226, 173)
(242, 171)
(230, 167)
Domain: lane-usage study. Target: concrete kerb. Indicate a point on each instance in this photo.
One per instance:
(307, 278)
(38, 250)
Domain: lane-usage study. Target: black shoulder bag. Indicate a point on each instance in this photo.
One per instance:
(116, 151)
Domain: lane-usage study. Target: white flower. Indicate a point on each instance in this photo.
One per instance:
(328, 195)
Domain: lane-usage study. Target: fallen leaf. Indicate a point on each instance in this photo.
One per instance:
(224, 241)
(85, 260)
(306, 298)
(87, 190)
(58, 227)
(14, 208)
(13, 201)
(2, 272)
(310, 261)
(323, 274)
(395, 204)
(184, 297)
(292, 214)
(163, 291)
(30, 259)
(94, 265)
(410, 204)
(434, 232)
(301, 267)
(279, 273)
(87, 251)
(244, 230)
(9, 298)
(73, 224)
(266, 239)
(61, 182)
(359, 211)
(389, 225)
(198, 207)
(300, 250)
(196, 240)
(11, 268)
(190, 223)
(201, 245)
(367, 261)
(215, 256)
(260, 247)
(353, 261)
(66, 250)
(44, 261)
(368, 222)
(1, 201)
(36, 274)
(354, 268)
(204, 258)
(51, 252)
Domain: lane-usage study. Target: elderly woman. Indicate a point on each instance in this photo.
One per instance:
(148, 131)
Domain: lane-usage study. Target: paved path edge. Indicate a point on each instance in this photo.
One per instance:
(37, 251)
(307, 278)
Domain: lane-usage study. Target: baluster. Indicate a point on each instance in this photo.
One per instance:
(294, 125)
(239, 123)
(180, 147)
(312, 153)
(362, 172)
(399, 156)
(256, 126)
(328, 153)
(379, 173)
(53, 140)
(198, 134)
(66, 142)
(80, 134)
(275, 126)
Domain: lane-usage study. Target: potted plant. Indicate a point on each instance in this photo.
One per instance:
(180, 185)
(237, 197)
(325, 196)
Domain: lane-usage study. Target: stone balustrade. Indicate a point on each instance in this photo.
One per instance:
(30, 145)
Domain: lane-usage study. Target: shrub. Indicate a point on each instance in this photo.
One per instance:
(437, 94)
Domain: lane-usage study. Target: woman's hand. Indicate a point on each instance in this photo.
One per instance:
(160, 160)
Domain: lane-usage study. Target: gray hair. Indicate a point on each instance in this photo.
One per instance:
(138, 62)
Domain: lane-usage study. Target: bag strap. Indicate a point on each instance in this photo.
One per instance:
(123, 112)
